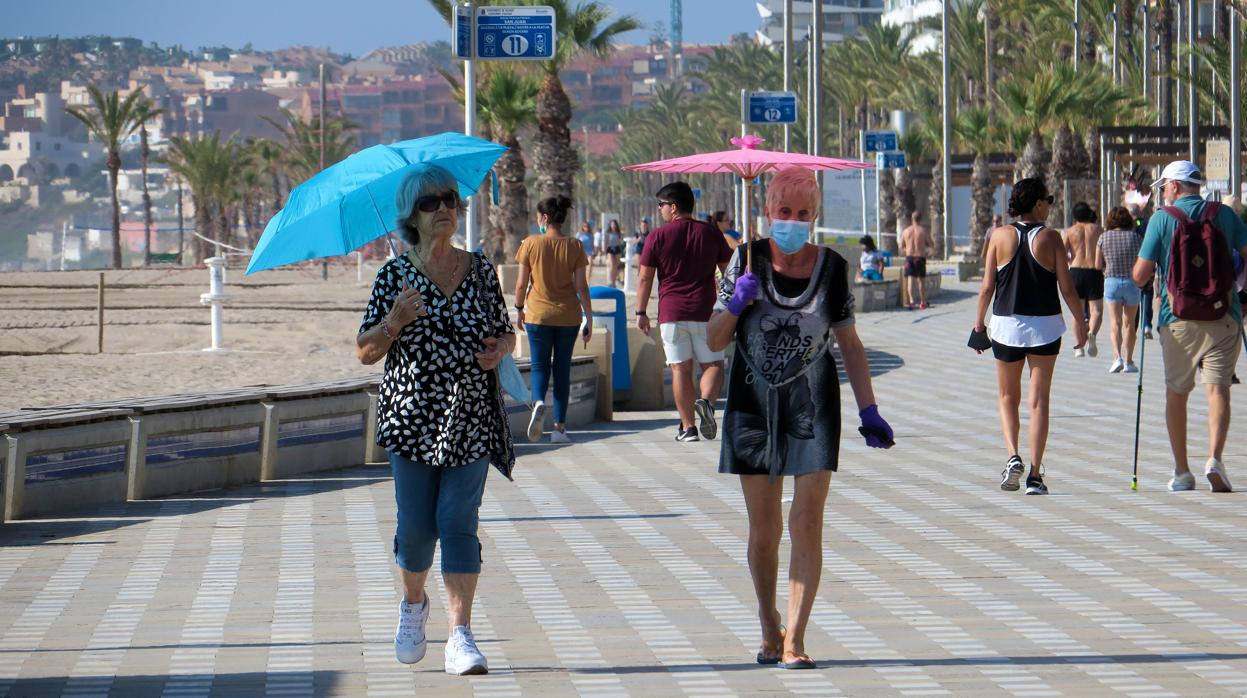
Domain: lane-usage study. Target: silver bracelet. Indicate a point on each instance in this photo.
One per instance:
(385, 327)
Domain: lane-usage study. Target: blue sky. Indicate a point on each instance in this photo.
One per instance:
(353, 26)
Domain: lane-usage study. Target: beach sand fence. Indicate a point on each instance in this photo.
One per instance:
(59, 459)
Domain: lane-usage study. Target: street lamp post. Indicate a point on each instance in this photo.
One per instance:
(1192, 104)
(1236, 133)
(787, 67)
(947, 108)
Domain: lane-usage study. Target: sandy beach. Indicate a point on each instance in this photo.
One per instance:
(282, 326)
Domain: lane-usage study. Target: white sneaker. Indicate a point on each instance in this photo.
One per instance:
(1092, 350)
(1131, 368)
(1117, 366)
(537, 422)
(1214, 470)
(1078, 352)
(462, 656)
(559, 437)
(410, 642)
(1182, 483)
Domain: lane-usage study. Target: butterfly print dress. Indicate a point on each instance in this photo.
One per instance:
(783, 397)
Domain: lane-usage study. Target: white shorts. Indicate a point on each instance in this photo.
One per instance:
(686, 340)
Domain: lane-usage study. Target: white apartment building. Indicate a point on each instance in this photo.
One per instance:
(911, 13)
(841, 18)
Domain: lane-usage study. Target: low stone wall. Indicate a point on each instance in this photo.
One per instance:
(59, 459)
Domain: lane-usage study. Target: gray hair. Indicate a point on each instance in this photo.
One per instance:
(422, 180)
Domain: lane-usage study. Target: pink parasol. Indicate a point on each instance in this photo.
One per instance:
(748, 163)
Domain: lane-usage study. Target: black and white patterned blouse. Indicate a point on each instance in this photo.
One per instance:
(436, 404)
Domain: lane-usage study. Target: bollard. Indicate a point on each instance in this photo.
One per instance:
(359, 267)
(215, 298)
(627, 287)
(99, 316)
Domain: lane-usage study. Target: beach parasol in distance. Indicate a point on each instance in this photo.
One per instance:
(352, 203)
(748, 162)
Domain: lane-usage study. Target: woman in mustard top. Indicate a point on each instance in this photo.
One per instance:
(550, 295)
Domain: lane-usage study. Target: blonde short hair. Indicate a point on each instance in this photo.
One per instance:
(795, 184)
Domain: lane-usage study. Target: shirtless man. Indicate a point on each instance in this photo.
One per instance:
(916, 244)
(1081, 240)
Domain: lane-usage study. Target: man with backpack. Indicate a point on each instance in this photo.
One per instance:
(1189, 245)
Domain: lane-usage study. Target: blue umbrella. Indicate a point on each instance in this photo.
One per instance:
(352, 203)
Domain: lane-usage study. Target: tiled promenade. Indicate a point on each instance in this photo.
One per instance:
(616, 566)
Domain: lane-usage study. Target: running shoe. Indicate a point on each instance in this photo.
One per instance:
(559, 437)
(1117, 367)
(705, 418)
(1147, 333)
(1131, 368)
(1034, 484)
(1092, 349)
(689, 434)
(924, 306)
(1012, 473)
(410, 642)
(1214, 470)
(537, 422)
(1182, 482)
(463, 658)
(1078, 352)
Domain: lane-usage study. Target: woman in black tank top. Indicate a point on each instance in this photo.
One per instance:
(1024, 286)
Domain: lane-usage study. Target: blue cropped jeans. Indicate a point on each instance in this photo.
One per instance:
(544, 341)
(438, 503)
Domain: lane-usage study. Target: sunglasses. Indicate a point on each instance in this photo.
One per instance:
(430, 202)
(662, 203)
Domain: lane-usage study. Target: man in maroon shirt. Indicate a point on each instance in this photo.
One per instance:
(685, 253)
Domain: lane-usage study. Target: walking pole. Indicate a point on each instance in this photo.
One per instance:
(1138, 407)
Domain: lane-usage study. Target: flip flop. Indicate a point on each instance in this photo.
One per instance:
(805, 663)
(763, 659)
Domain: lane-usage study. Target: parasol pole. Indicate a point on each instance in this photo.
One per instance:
(749, 224)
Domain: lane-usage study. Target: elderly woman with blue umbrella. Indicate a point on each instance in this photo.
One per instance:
(437, 316)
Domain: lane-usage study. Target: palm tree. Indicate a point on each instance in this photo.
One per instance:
(146, 111)
(584, 28)
(508, 105)
(110, 119)
(302, 155)
(208, 166)
(973, 129)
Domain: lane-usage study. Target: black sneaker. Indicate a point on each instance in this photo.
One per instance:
(1034, 484)
(689, 434)
(705, 418)
(1012, 474)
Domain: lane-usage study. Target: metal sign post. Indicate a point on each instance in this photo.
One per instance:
(515, 33)
(875, 142)
(469, 121)
(884, 160)
(496, 33)
(769, 108)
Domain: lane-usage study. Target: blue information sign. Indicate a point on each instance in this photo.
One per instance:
(463, 32)
(515, 33)
(890, 160)
(879, 141)
(770, 108)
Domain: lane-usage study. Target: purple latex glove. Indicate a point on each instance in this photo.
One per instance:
(746, 292)
(877, 431)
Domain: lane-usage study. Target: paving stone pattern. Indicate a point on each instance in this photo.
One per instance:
(616, 566)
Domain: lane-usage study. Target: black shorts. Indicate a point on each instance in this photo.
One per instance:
(1088, 282)
(916, 267)
(1008, 354)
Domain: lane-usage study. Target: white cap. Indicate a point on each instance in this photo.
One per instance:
(1180, 171)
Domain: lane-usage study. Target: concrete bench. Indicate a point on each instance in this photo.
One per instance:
(318, 426)
(192, 442)
(875, 296)
(64, 458)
